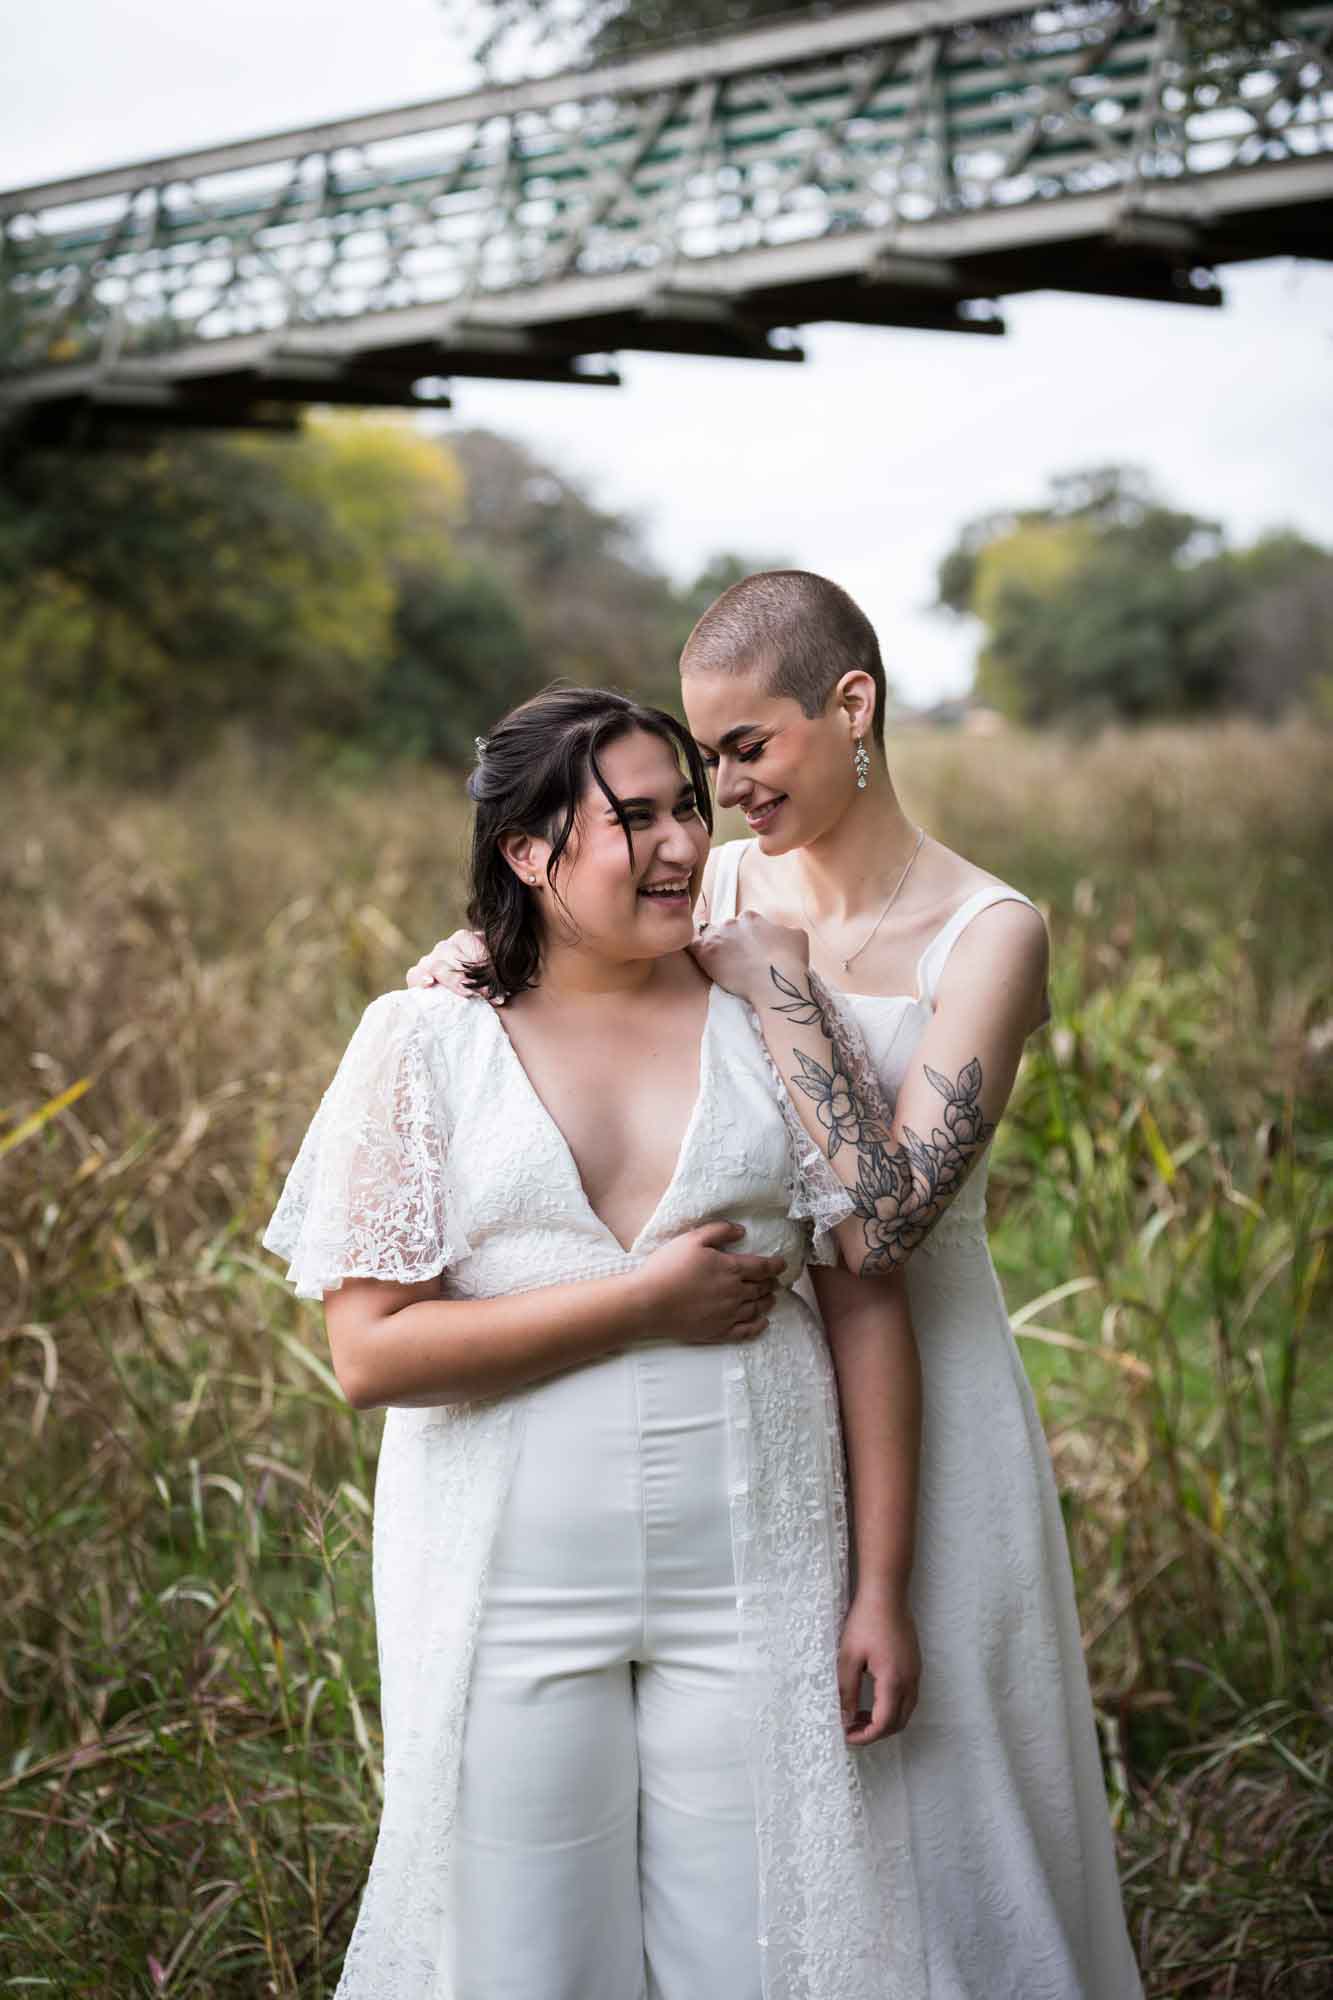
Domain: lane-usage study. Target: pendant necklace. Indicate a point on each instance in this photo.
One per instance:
(893, 897)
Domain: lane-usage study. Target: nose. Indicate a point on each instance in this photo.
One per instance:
(676, 845)
(728, 787)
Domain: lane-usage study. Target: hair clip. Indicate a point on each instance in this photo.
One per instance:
(480, 742)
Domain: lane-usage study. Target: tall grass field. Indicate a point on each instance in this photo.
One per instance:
(189, 1736)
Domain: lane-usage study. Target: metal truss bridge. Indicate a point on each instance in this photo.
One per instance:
(904, 164)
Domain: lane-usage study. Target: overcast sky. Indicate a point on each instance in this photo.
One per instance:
(862, 464)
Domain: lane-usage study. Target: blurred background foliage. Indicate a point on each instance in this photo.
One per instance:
(1108, 603)
(360, 588)
(365, 590)
(501, 32)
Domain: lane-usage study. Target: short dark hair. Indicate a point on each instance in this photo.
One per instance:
(532, 770)
(800, 631)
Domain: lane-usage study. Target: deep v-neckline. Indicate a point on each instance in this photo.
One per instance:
(567, 1151)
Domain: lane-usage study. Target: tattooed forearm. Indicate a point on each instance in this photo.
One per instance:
(903, 1184)
(851, 1111)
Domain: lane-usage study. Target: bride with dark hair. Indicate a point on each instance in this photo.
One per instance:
(625, 1750)
(939, 970)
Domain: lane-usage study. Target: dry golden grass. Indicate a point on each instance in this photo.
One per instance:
(187, 1751)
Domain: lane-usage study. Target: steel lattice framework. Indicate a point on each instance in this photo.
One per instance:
(900, 164)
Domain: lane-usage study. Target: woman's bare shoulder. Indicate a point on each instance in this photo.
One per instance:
(1009, 932)
(955, 879)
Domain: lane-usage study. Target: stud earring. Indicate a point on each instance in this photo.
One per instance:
(861, 763)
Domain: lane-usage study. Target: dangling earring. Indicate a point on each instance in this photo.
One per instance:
(861, 762)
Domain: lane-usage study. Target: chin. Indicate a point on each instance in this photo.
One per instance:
(665, 932)
(782, 838)
(795, 826)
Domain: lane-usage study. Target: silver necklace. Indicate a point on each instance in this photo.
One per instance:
(893, 897)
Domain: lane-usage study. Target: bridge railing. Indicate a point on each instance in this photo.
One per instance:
(876, 120)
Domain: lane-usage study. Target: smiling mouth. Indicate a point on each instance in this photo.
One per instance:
(667, 892)
(758, 817)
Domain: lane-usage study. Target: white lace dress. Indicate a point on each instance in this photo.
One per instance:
(432, 1153)
(1014, 1859)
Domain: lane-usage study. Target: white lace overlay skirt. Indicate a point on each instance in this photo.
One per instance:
(838, 1898)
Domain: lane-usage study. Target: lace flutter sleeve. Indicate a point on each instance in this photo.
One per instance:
(366, 1196)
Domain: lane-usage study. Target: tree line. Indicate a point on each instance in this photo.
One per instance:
(367, 590)
(361, 590)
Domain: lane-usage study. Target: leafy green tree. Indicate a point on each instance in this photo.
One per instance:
(1010, 582)
(576, 30)
(148, 598)
(1284, 649)
(363, 586)
(595, 606)
(600, 30)
(461, 656)
(1106, 602)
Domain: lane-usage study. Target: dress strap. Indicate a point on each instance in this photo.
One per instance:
(725, 886)
(931, 963)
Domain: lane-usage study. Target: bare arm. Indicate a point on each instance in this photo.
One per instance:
(903, 1168)
(875, 1358)
(405, 1346)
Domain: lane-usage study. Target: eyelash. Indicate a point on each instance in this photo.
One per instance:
(687, 809)
(749, 756)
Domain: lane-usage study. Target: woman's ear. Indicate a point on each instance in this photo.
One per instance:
(527, 856)
(856, 698)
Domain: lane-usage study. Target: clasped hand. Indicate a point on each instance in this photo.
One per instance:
(742, 953)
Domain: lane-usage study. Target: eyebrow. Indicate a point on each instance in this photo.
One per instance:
(685, 791)
(731, 736)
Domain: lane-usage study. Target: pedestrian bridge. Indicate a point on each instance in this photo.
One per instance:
(907, 164)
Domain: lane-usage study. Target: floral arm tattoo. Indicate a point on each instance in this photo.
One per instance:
(903, 1185)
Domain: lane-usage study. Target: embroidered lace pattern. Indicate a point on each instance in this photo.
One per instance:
(368, 1195)
(838, 1908)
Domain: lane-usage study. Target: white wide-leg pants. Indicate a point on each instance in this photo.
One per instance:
(605, 1841)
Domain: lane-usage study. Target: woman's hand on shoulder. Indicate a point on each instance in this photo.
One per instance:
(745, 952)
(447, 962)
(879, 1638)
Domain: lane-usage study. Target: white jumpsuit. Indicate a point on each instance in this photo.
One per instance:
(605, 1789)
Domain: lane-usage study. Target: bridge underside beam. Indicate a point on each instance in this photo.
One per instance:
(943, 274)
(380, 363)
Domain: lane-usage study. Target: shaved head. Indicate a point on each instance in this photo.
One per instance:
(798, 632)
